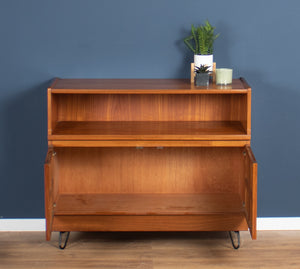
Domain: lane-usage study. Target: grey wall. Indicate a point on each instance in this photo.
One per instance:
(40, 40)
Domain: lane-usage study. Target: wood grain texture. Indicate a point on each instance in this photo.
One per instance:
(157, 130)
(251, 190)
(51, 108)
(51, 184)
(209, 222)
(191, 175)
(48, 185)
(148, 204)
(151, 107)
(144, 143)
(142, 86)
(155, 250)
(82, 112)
(247, 121)
(150, 170)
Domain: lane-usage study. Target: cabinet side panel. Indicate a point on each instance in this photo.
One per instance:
(52, 112)
(49, 112)
(239, 110)
(249, 113)
(149, 170)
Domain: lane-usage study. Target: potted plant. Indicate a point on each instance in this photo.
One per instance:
(202, 75)
(202, 38)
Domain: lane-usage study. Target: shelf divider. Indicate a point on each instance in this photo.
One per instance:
(149, 130)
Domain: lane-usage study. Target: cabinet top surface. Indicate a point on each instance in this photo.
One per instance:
(143, 86)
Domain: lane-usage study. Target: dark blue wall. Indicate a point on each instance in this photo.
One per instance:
(42, 39)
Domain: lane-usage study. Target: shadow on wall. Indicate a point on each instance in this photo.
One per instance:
(183, 70)
(276, 145)
(25, 136)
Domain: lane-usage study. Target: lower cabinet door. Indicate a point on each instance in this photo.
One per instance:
(250, 190)
(49, 174)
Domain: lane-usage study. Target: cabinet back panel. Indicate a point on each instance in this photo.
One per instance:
(151, 107)
(150, 170)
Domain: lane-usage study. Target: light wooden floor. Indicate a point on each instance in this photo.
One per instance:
(280, 249)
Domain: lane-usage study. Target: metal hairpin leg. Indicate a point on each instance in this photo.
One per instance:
(235, 246)
(66, 240)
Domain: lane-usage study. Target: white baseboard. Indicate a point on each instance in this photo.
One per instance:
(38, 225)
(22, 225)
(278, 224)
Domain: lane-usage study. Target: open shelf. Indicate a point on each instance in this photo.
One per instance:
(148, 204)
(149, 130)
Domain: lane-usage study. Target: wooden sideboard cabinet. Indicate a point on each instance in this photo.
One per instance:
(149, 155)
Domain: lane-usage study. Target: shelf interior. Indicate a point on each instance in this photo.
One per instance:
(148, 129)
(148, 204)
(149, 116)
(172, 170)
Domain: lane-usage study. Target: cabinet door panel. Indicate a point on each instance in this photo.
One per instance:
(250, 190)
(49, 173)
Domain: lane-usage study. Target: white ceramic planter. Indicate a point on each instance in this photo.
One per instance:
(204, 60)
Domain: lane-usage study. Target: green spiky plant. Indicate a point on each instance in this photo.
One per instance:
(201, 69)
(202, 75)
(203, 37)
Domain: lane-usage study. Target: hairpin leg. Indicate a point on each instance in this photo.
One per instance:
(234, 244)
(66, 239)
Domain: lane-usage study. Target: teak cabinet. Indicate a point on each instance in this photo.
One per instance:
(149, 155)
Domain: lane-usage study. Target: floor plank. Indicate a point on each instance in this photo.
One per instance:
(273, 249)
